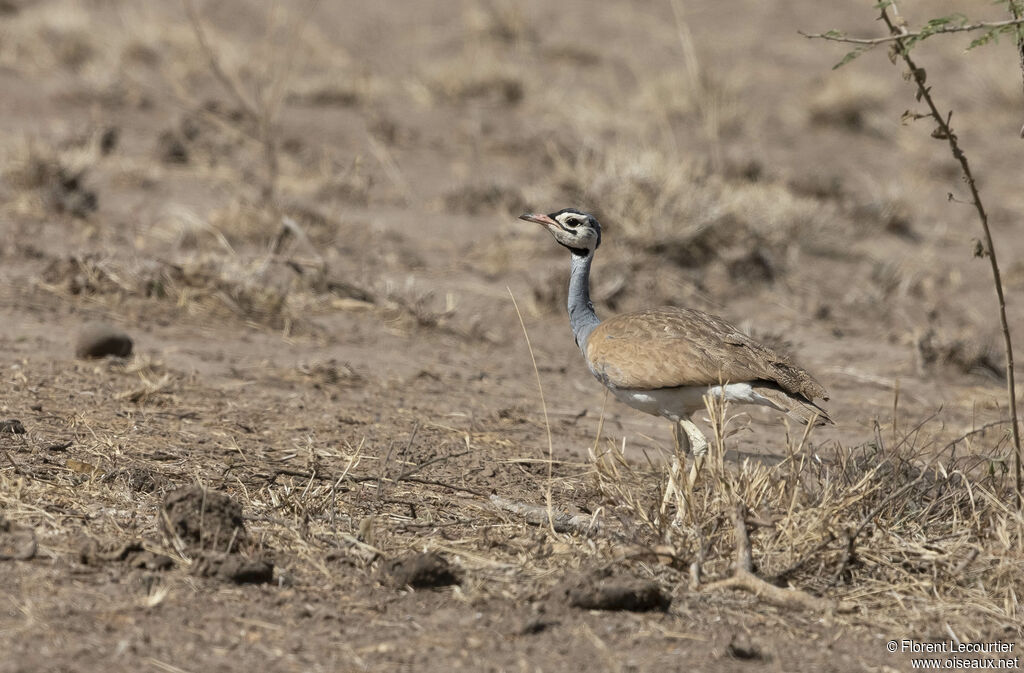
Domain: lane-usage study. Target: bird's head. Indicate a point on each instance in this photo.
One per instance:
(574, 229)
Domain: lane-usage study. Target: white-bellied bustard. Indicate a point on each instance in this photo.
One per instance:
(664, 361)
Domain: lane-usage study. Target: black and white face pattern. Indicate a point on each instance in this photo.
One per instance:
(576, 230)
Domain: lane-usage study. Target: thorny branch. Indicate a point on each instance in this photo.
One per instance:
(901, 39)
(1016, 9)
(835, 36)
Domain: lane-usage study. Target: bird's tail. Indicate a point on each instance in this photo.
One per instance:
(798, 408)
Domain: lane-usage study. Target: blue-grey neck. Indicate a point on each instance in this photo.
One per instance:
(581, 312)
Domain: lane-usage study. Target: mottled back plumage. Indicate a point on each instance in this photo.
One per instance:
(671, 347)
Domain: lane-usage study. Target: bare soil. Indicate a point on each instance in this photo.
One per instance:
(328, 378)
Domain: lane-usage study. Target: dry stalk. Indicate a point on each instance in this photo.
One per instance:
(547, 423)
(265, 106)
(706, 102)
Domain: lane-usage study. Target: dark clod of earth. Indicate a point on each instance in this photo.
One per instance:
(97, 341)
(233, 568)
(203, 520)
(420, 571)
(12, 426)
(601, 591)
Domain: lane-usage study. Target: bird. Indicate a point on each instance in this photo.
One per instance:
(665, 361)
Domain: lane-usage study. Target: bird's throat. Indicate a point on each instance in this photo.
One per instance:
(582, 317)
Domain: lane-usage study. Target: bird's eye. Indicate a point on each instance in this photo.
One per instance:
(572, 223)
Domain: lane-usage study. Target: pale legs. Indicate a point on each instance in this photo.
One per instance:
(689, 437)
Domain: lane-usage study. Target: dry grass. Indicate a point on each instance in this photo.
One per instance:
(898, 533)
(653, 194)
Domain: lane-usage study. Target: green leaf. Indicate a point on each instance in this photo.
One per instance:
(990, 36)
(849, 57)
(943, 21)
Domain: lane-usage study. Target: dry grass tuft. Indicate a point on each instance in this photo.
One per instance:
(655, 195)
(895, 532)
(965, 353)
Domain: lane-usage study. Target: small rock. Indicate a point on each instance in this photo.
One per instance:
(420, 571)
(233, 568)
(97, 341)
(12, 426)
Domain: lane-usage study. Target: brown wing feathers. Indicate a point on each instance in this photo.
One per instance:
(671, 347)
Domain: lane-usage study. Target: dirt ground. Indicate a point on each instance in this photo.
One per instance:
(328, 449)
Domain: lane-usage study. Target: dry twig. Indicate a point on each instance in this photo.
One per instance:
(744, 578)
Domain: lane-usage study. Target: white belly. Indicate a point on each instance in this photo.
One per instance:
(679, 403)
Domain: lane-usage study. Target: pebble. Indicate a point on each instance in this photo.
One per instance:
(97, 341)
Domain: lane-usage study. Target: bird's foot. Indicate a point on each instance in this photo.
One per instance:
(698, 445)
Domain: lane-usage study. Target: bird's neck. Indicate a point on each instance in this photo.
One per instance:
(581, 312)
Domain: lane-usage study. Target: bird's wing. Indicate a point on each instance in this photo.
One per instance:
(670, 347)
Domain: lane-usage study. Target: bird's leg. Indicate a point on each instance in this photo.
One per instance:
(698, 444)
(682, 448)
(681, 439)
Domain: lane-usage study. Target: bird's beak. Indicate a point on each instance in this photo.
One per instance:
(539, 219)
